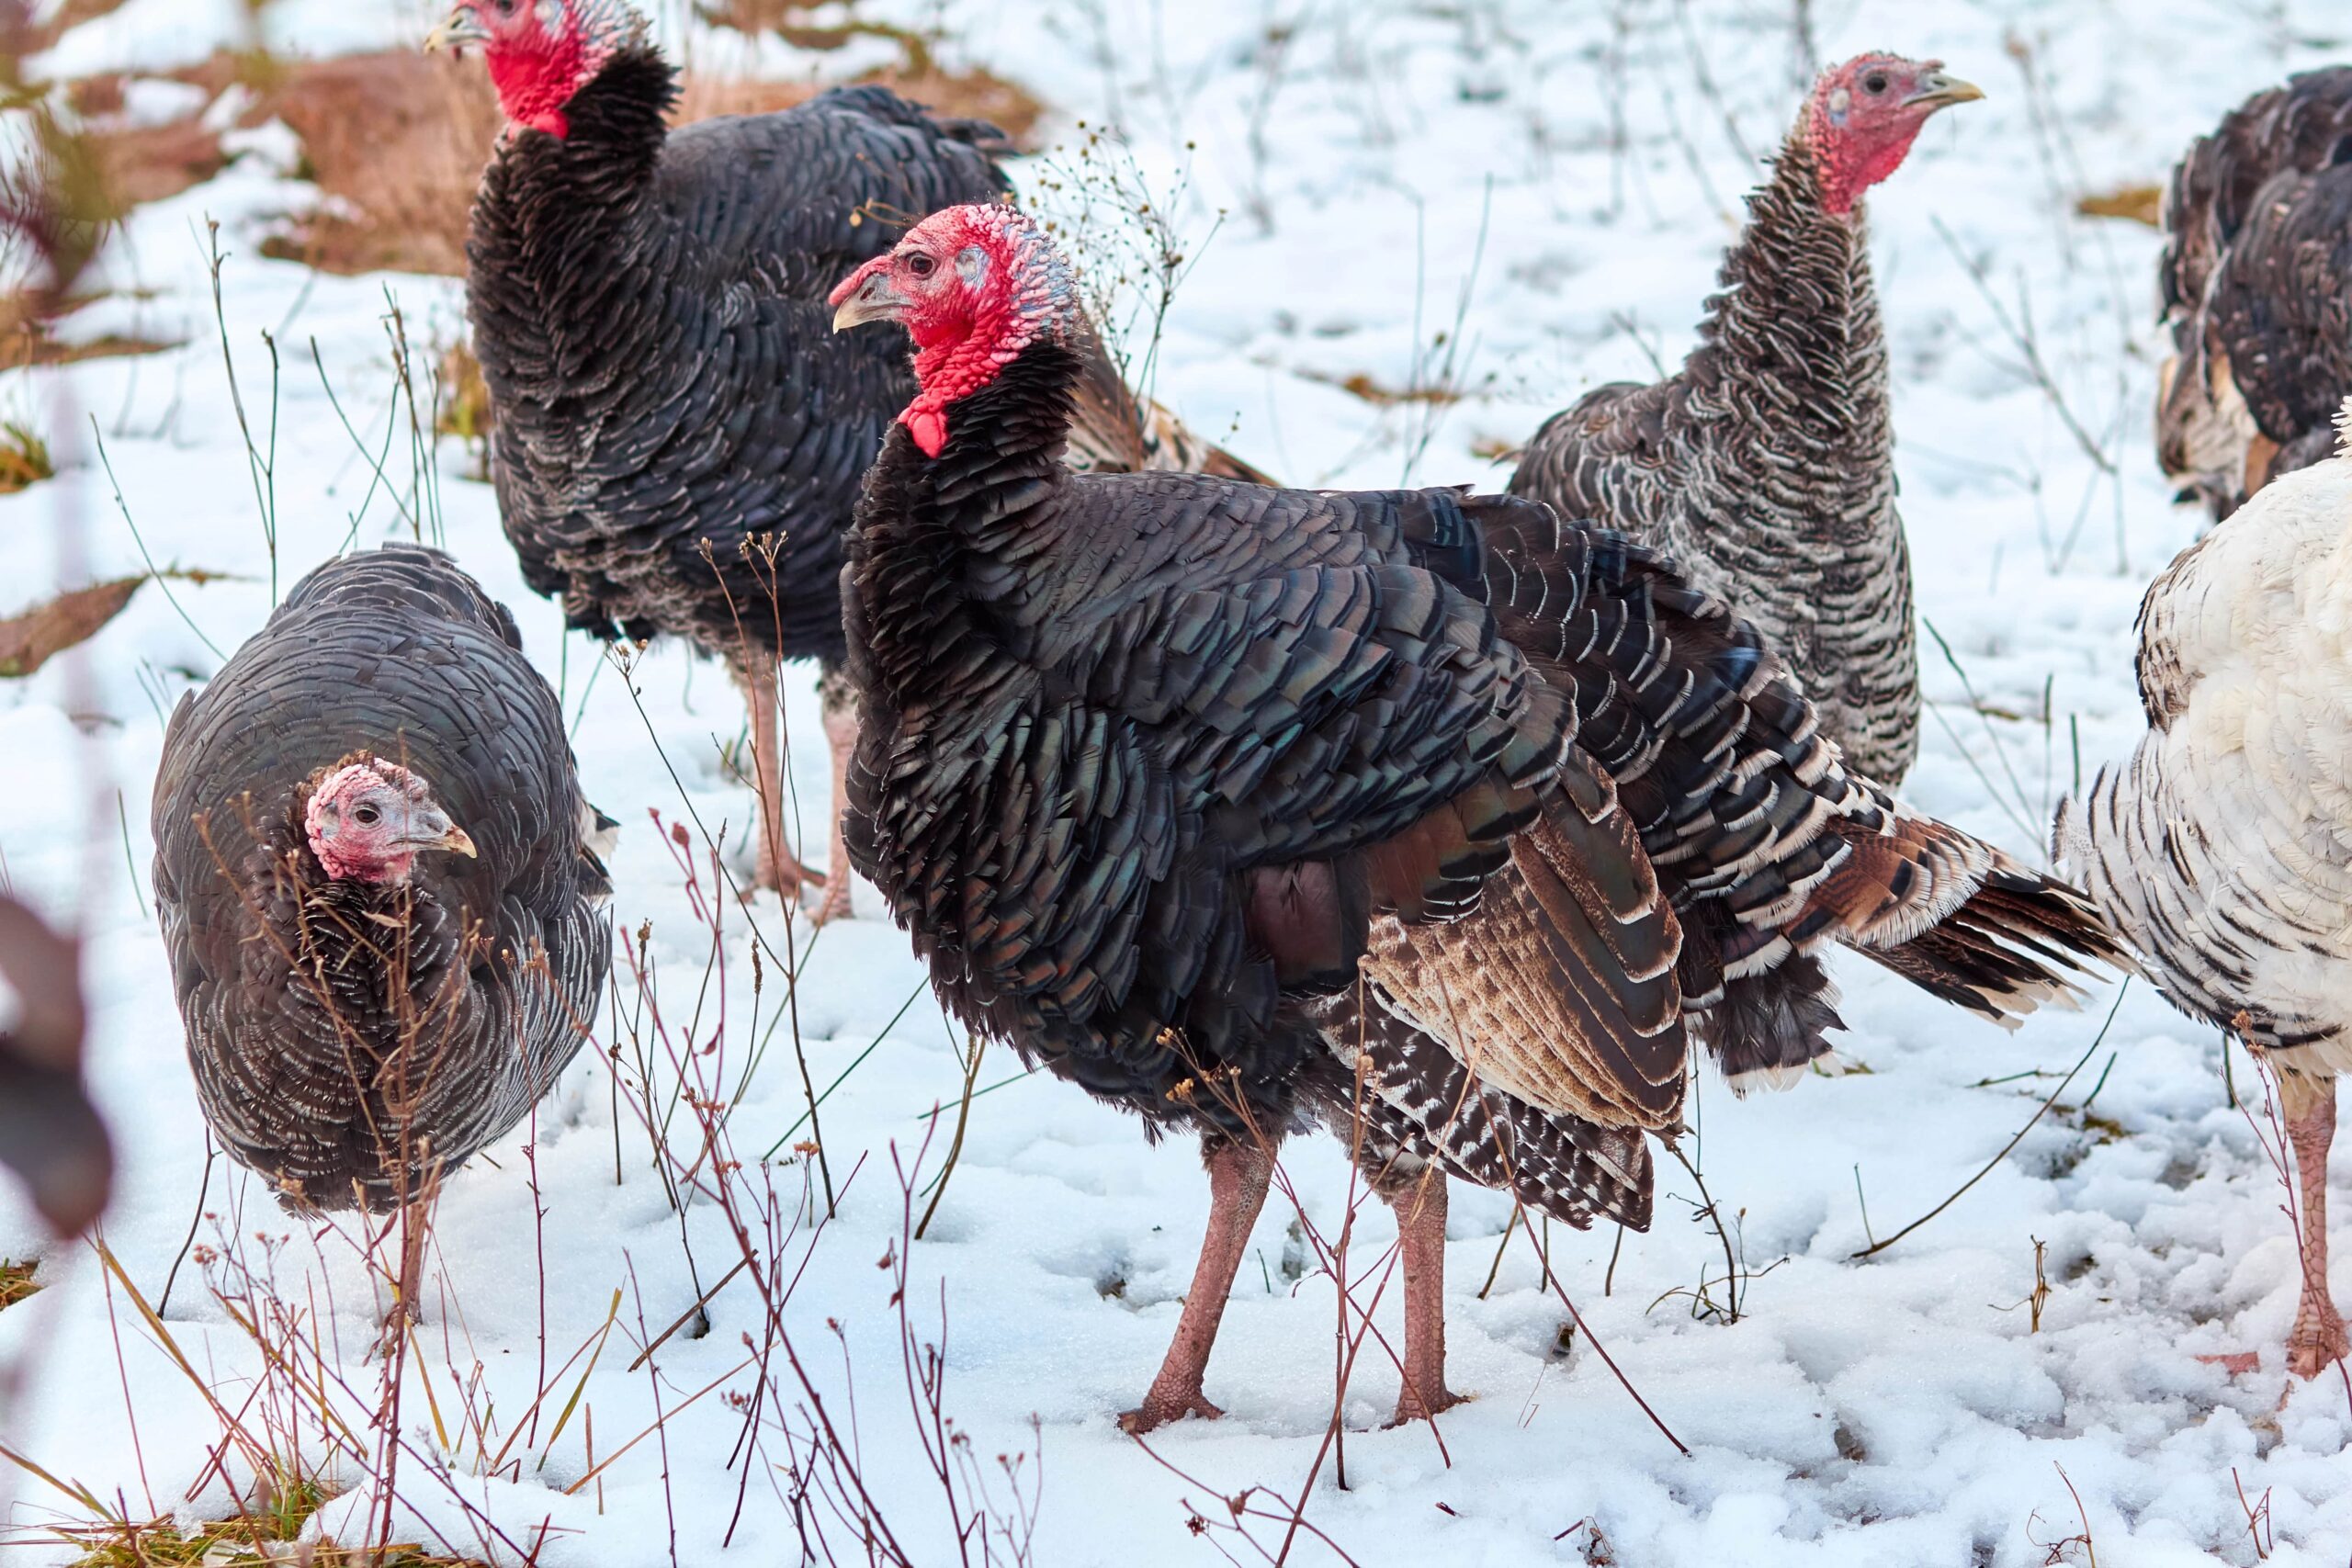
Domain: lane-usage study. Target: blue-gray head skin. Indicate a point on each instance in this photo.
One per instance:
(973, 285)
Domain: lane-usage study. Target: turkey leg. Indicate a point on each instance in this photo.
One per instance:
(1420, 1203)
(779, 871)
(2318, 1337)
(840, 735)
(409, 1288)
(1239, 1176)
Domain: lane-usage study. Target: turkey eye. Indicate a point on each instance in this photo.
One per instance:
(921, 265)
(1874, 85)
(365, 816)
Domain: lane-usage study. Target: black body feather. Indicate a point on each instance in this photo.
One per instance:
(1152, 760)
(648, 306)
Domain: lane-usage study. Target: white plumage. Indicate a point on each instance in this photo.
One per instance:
(2223, 848)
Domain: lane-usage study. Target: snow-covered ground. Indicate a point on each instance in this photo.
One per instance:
(1512, 200)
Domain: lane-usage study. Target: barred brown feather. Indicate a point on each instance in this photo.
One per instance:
(2256, 286)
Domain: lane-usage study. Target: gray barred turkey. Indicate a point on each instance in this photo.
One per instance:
(378, 890)
(1766, 465)
(1416, 813)
(679, 439)
(2255, 285)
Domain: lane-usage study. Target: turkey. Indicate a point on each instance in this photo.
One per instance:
(2256, 284)
(384, 916)
(2223, 848)
(679, 440)
(49, 1134)
(1766, 467)
(1157, 767)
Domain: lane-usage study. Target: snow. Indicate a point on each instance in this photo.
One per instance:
(1549, 188)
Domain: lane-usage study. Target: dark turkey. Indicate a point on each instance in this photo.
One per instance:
(2255, 284)
(385, 924)
(1766, 467)
(679, 439)
(1156, 767)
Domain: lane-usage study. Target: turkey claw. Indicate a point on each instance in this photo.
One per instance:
(1154, 1414)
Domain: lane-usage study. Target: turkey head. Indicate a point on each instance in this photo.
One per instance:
(973, 285)
(1865, 114)
(368, 819)
(540, 52)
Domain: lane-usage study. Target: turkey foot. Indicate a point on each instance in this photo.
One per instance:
(2318, 1337)
(1155, 1413)
(1421, 1204)
(1239, 1176)
(2318, 1340)
(409, 1286)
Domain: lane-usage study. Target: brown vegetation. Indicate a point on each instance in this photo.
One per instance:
(17, 1282)
(31, 639)
(24, 458)
(2141, 204)
(396, 141)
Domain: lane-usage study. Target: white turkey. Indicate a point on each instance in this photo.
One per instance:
(2223, 847)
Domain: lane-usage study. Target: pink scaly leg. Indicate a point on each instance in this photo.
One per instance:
(1421, 1205)
(2318, 1337)
(841, 736)
(408, 1290)
(779, 870)
(1239, 1176)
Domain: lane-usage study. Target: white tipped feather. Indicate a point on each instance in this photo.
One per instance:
(2223, 847)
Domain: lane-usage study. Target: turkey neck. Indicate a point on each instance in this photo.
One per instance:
(561, 253)
(940, 543)
(1791, 357)
(373, 962)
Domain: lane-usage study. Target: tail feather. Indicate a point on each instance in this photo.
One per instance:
(1769, 1028)
(2015, 946)
(1419, 1100)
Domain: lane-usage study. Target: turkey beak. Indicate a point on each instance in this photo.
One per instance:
(459, 28)
(432, 830)
(1938, 91)
(866, 296)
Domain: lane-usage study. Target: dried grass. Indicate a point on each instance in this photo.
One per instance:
(28, 336)
(30, 640)
(397, 143)
(17, 1282)
(263, 1536)
(24, 458)
(2139, 204)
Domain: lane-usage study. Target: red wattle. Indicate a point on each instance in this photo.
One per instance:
(929, 427)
